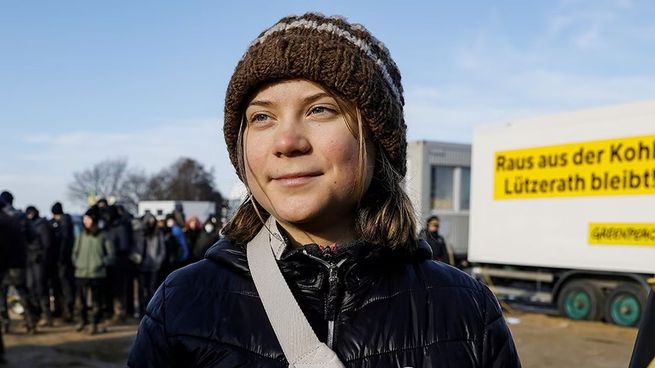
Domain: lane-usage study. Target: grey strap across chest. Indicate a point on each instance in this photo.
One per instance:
(299, 343)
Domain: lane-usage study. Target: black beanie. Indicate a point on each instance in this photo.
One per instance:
(94, 213)
(7, 197)
(57, 209)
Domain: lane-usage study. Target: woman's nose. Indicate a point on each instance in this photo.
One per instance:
(291, 139)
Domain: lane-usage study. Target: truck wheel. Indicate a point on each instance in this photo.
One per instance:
(581, 300)
(625, 304)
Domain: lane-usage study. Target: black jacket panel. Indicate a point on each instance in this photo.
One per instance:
(388, 311)
(21, 234)
(64, 238)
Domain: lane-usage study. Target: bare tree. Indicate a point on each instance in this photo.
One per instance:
(185, 179)
(134, 189)
(109, 178)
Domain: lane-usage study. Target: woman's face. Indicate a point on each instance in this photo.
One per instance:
(301, 159)
(87, 221)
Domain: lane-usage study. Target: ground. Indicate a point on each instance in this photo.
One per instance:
(542, 341)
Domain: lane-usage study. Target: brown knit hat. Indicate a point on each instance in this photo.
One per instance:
(343, 57)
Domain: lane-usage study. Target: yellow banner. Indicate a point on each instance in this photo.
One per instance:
(606, 167)
(622, 234)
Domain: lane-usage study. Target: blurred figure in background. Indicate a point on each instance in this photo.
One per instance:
(149, 254)
(179, 254)
(177, 251)
(16, 262)
(178, 215)
(131, 273)
(92, 253)
(437, 243)
(120, 291)
(5, 236)
(63, 240)
(192, 230)
(209, 235)
(102, 205)
(37, 251)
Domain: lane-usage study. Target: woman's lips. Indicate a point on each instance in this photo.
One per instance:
(292, 180)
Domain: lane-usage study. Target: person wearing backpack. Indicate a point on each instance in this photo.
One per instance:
(320, 266)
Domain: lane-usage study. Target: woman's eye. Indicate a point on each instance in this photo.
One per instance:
(258, 118)
(321, 110)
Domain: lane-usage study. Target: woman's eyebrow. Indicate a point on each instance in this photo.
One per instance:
(316, 96)
(260, 103)
(306, 100)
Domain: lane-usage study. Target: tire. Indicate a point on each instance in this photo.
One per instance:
(625, 305)
(581, 300)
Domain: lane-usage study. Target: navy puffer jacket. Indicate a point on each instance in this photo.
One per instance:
(373, 306)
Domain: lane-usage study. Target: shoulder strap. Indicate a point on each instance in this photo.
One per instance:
(299, 343)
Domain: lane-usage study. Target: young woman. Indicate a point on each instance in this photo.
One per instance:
(314, 126)
(93, 252)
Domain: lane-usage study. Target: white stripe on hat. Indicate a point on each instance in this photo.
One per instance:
(334, 29)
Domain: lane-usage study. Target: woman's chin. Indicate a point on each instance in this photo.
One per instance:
(294, 218)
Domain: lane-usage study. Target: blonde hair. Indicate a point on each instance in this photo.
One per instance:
(384, 213)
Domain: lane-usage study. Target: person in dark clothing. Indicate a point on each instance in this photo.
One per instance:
(37, 252)
(643, 353)
(16, 262)
(5, 235)
(192, 230)
(120, 300)
(177, 251)
(178, 215)
(437, 243)
(149, 254)
(126, 220)
(326, 239)
(210, 234)
(64, 239)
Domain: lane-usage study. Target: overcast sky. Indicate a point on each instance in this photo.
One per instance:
(83, 81)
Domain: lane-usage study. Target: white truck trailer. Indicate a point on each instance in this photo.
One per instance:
(563, 211)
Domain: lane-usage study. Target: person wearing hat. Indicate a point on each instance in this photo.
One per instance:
(320, 265)
(64, 239)
(92, 254)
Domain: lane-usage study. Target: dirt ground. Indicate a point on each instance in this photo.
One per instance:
(542, 341)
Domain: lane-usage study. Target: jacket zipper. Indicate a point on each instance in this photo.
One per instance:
(333, 284)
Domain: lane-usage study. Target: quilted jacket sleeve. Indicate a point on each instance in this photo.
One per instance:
(498, 348)
(151, 347)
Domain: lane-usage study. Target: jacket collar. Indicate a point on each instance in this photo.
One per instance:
(228, 253)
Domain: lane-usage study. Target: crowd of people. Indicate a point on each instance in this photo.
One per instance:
(86, 274)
